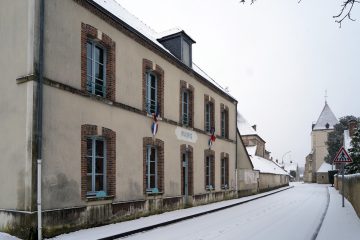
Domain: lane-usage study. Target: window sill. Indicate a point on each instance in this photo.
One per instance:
(154, 193)
(94, 198)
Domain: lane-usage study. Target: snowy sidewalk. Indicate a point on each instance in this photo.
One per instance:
(339, 222)
(148, 222)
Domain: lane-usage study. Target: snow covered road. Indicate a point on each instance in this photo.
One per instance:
(292, 214)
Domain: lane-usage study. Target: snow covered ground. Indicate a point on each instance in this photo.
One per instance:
(291, 214)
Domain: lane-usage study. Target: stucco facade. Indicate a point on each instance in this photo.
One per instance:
(67, 107)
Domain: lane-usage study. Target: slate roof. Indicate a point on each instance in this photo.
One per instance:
(137, 26)
(326, 120)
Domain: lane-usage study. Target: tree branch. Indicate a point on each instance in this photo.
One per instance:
(345, 11)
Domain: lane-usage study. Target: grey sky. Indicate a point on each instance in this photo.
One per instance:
(276, 56)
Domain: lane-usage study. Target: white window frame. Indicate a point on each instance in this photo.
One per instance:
(90, 73)
(224, 183)
(93, 173)
(149, 189)
(223, 123)
(185, 106)
(208, 109)
(151, 101)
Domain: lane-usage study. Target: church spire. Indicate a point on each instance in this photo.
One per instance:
(326, 96)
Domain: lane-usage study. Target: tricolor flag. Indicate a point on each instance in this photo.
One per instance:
(212, 137)
(154, 128)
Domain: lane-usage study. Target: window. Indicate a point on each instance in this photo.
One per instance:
(151, 93)
(96, 166)
(224, 114)
(185, 107)
(209, 170)
(208, 116)
(224, 173)
(153, 88)
(151, 169)
(186, 53)
(98, 162)
(95, 69)
(97, 63)
(186, 104)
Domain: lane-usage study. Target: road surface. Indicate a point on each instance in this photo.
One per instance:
(292, 214)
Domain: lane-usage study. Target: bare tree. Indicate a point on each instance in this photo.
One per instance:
(345, 11)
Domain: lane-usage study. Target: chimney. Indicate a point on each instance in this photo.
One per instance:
(312, 126)
(254, 127)
(352, 126)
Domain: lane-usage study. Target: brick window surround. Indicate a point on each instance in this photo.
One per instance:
(225, 109)
(208, 99)
(224, 181)
(159, 72)
(89, 32)
(190, 168)
(209, 153)
(109, 136)
(187, 87)
(159, 144)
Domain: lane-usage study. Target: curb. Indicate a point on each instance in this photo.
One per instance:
(314, 236)
(132, 232)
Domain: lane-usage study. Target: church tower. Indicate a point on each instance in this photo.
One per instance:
(319, 136)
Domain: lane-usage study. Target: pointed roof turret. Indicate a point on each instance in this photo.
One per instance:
(326, 120)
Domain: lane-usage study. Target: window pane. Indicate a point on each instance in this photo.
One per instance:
(99, 165)
(99, 148)
(89, 184)
(99, 183)
(99, 54)
(89, 165)
(89, 50)
(99, 71)
(153, 80)
(89, 70)
(152, 181)
(89, 146)
(186, 53)
(152, 167)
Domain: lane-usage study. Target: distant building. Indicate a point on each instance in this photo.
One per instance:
(319, 136)
(271, 175)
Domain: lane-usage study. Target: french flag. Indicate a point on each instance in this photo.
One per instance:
(154, 128)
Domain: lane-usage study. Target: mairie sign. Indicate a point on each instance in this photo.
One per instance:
(342, 156)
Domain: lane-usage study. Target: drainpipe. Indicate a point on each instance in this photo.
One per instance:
(236, 152)
(39, 107)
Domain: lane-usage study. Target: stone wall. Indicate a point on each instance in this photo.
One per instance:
(351, 189)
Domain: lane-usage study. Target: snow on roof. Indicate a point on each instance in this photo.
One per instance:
(326, 120)
(347, 140)
(290, 167)
(263, 165)
(324, 168)
(118, 11)
(251, 150)
(244, 127)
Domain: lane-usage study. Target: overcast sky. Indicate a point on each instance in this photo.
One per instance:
(277, 58)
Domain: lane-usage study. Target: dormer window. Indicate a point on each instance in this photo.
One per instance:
(179, 44)
(186, 53)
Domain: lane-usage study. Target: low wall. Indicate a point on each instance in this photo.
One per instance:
(23, 224)
(248, 182)
(351, 189)
(269, 181)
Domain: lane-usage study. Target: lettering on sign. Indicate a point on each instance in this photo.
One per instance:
(186, 135)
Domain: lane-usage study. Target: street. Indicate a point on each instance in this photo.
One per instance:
(292, 214)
